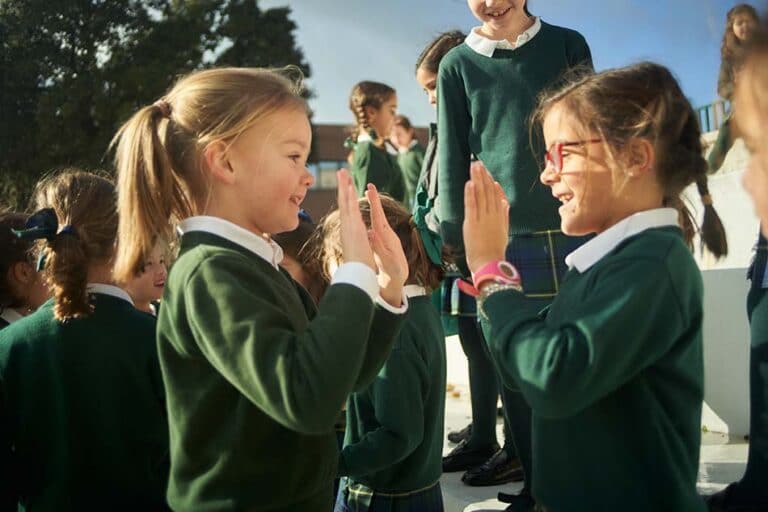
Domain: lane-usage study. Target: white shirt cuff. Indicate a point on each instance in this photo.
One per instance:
(359, 275)
(392, 309)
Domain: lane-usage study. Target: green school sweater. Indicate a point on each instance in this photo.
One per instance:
(82, 406)
(484, 106)
(394, 437)
(410, 163)
(372, 164)
(614, 374)
(256, 377)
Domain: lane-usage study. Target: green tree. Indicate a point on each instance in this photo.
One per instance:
(71, 71)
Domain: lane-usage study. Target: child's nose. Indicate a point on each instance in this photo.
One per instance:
(548, 175)
(309, 178)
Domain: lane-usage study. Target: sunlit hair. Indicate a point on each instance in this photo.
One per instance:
(422, 270)
(367, 94)
(87, 203)
(645, 101)
(159, 150)
(430, 57)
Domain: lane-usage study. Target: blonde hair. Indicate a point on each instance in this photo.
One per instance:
(159, 149)
(86, 202)
(421, 269)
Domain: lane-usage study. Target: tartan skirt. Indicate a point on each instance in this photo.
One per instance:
(354, 497)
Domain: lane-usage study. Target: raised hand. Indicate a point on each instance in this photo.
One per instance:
(388, 252)
(354, 235)
(486, 219)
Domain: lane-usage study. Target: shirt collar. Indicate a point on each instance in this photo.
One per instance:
(110, 289)
(485, 46)
(414, 290)
(593, 251)
(263, 247)
(10, 315)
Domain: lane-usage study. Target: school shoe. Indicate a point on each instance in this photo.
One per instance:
(522, 502)
(463, 457)
(728, 500)
(499, 469)
(460, 435)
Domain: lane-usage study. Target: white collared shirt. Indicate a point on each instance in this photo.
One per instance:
(485, 46)
(111, 290)
(410, 147)
(354, 273)
(414, 290)
(593, 251)
(10, 315)
(267, 249)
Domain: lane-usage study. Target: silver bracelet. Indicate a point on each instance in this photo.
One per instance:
(490, 289)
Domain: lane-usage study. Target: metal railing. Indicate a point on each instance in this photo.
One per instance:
(712, 116)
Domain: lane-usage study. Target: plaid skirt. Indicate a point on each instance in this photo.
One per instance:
(354, 497)
(540, 259)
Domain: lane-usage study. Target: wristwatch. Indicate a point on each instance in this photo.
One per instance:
(496, 272)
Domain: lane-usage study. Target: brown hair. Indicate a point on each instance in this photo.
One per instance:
(299, 244)
(158, 157)
(86, 203)
(731, 45)
(430, 57)
(404, 122)
(13, 250)
(645, 101)
(367, 94)
(422, 270)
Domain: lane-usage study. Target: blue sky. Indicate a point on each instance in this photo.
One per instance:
(347, 41)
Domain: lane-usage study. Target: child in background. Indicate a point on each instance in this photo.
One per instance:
(750, 494)
(613, 369)
(374, 106)
(410, 155)
(299, 257)
(487, 89)
(255, 372)
(394, 440)
(82, 414)
(739, 24)
(22, 288)
(146, 287)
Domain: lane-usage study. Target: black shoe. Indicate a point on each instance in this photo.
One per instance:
(522, 502)
(730, 500)
(462, 458)
(499, 469)
(461, 435)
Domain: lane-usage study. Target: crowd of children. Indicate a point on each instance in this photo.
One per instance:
(293, 366)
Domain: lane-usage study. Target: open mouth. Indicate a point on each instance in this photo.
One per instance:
(297, 200)
(498, 14)
(159, 284)
(564, 198)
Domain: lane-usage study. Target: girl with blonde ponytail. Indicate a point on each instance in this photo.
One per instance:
(82, 397)
(255, 373)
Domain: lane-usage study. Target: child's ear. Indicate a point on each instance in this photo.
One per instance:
(217, 162)
(640, 158)
(22, 274)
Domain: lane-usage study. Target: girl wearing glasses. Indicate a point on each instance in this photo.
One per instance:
(613, 369)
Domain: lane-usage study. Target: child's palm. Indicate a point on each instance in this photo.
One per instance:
(354, 235)
(387, 250)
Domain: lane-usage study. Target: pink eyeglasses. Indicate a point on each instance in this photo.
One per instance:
(554, 154)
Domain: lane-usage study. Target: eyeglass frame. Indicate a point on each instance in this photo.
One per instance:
(558, 147)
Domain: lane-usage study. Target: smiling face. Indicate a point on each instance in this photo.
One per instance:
(585, 185)
(751, 105)
(149, 282)
(500, 18)
(270, 179)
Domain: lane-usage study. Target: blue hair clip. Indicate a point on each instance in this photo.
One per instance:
(42, 224)
(303, 215)
(68, 230)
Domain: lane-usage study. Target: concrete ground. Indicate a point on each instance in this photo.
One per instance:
(723, 459)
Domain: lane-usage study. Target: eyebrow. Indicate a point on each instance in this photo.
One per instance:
(298, 142)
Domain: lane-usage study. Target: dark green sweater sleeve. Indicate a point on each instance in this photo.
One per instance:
(361, 162)
(453, 152)
(578, 51)
(384, 330)
(630, 319)
(398, 398)
(299, 378)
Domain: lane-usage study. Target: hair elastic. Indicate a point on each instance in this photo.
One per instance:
(163, 107)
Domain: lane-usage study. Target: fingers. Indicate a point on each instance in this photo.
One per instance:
(470, 202)
(379, 222)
